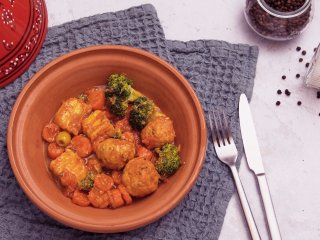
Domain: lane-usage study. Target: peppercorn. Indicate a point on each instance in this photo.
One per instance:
(278, 103)
(284, 77)
(298, 49)
(318, 94)
(279, 92)
(304, 52)
(297, 75)
(307, 65)
(287, 92)
(300, 59)
(299, 103)
(285, 5)
(278, 28)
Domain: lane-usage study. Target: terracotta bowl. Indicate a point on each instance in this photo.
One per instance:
(69, 75)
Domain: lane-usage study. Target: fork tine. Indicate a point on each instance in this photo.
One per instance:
(221, 128)
(215, 140)
(217, 129)
(226, 127)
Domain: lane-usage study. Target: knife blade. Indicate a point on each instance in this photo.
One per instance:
(249, 137)
(254, 160)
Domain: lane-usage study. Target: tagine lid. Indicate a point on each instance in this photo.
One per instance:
(23, 27)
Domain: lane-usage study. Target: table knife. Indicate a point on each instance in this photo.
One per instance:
(254, 159)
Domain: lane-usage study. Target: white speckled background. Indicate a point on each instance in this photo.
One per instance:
(289, 135)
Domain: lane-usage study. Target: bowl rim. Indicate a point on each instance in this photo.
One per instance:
(127, 226)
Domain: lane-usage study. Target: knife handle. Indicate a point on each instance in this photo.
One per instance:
(268, 207)
(245, 205)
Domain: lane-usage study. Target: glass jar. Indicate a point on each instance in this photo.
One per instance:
(279, 20)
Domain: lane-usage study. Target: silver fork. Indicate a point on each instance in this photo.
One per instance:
(227, 153)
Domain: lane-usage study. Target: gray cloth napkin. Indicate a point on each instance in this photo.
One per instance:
(218, 71)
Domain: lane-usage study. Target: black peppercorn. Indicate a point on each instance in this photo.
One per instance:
(299, 103)
(279, 92)
(304, 52)
(307, 65)
(298, 49)
(300, 59)
(278, 103)
(318, 94)
(287, 92)
(284, 77)
(297, 75)
(285, 5)
(273, 27)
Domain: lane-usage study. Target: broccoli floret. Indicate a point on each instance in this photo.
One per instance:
(168, 161)
(87, 183)
(118, 92)
(141, 111)
(120, 85)
(117, 106)
(134, 95)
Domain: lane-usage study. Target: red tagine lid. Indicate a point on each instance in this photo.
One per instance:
(23, 27)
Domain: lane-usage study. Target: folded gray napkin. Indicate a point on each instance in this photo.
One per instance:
(218, 71)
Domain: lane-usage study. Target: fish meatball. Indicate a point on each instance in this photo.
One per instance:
(115, 153)
(158, 132)
(70, 115)
(140, 177)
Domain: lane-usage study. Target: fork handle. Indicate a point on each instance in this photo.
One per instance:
(245, 205)
(269, 209)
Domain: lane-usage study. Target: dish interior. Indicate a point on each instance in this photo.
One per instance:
(69, 76)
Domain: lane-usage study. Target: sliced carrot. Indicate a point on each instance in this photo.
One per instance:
(54, 150)
(103, 182)
(125, 195)
(128, 136)
(50, 132)
(94, 165)
(116, 176)
(144, 152)
(98, 198)
(123, 125)
(96, 98)
(115, 198)
(80, 199)
(81, 145)
(69, 181)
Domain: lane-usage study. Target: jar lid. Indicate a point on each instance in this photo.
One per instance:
(23, 27)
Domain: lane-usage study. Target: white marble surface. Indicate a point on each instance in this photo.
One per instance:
(289, 135)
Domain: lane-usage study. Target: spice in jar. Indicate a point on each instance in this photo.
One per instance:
(280, 19)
